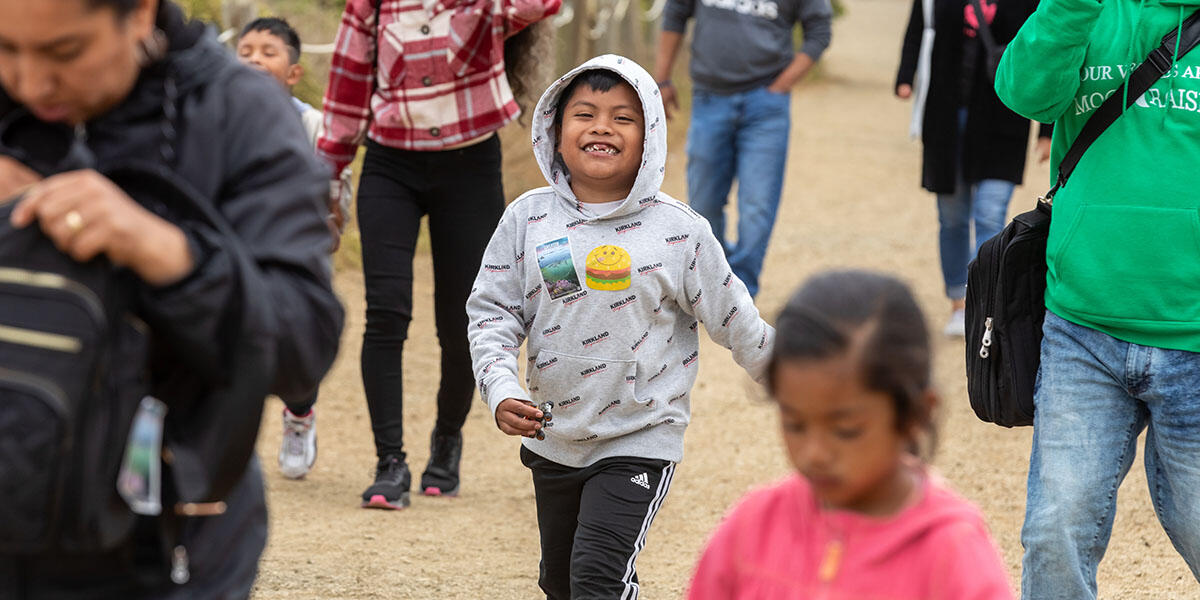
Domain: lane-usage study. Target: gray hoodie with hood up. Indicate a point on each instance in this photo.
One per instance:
(609, 306)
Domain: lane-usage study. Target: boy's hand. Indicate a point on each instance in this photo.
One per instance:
(904, 91)
(517, 417)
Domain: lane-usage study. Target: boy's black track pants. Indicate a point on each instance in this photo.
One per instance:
(593, 523)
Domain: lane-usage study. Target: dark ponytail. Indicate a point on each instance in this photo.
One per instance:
(874, 319)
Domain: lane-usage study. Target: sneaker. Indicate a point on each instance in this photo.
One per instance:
(957, 325)
(298, 451)
(441, 473)
(392, 482)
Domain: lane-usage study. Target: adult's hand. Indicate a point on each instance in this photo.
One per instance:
(1043, 149)
(86, 215)
(670, 98)
(904, 91)
(14, 178)
(517, 417)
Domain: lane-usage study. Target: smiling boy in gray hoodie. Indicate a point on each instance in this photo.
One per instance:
(607, 279)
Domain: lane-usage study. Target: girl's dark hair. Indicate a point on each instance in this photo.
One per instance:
(874, 319)
(121, 7)
(600, 80)
(528, 57)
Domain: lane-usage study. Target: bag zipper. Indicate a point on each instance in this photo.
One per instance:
(984, 351)
(54, 281)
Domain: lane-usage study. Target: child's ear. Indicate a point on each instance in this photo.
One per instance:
(294, 74)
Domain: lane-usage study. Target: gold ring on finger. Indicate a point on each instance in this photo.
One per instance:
(74, 221)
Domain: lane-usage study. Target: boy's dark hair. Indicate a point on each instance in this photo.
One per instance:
(121, 7)
(874, 317)
(280, 29)
(600, 80)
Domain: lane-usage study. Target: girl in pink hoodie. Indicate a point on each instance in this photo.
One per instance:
(862, 519)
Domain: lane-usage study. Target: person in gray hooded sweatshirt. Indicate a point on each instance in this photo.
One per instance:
(607, 280)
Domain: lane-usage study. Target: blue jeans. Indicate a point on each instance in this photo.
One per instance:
(1094, 396)
(986, 204)
(743, 135)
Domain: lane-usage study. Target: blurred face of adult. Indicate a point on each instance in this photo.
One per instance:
(70, 61)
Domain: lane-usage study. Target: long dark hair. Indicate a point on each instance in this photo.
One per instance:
(528, 61)
(875, 319)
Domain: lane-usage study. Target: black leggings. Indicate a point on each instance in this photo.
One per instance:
(461, 192)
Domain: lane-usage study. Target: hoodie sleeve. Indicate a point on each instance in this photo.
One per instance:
(715, 576)
(496, 317)
(968, 566)
(1039, 71)
(720, 301)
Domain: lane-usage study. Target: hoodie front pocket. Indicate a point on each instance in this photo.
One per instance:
(1131, 263)
(593, 397)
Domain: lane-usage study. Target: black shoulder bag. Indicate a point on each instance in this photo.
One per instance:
(1006, 283)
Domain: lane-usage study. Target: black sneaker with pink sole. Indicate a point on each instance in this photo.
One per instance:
(441, 473)
(391, 487)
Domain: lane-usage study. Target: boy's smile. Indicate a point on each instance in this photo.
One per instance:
(601, 142)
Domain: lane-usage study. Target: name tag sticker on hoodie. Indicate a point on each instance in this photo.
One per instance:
(558, 268)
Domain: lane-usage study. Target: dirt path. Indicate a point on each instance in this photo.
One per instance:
(851, 199)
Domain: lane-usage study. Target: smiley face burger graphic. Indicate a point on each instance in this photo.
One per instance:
(608, 268)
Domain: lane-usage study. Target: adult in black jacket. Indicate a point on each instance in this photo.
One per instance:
(974, 146)
(138, 82)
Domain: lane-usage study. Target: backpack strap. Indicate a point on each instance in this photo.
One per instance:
(1141, 79)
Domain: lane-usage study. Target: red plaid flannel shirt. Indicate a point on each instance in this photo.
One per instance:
(427, 79)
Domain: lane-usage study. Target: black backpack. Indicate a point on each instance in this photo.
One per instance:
(75, 364)
(72, 372)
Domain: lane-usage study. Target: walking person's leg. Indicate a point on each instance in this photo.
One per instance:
(466, 206)
(710, 157)
(954, 249)
(1085, 433)
(557, 490)
(389, 218)
(1173, 446)
(298, 446)
(762, 144)
(990, 208)
(617, 507)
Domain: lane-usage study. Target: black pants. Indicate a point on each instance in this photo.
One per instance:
(593, 523)
(461, 192)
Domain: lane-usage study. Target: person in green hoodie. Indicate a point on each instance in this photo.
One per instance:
(1121, 351)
